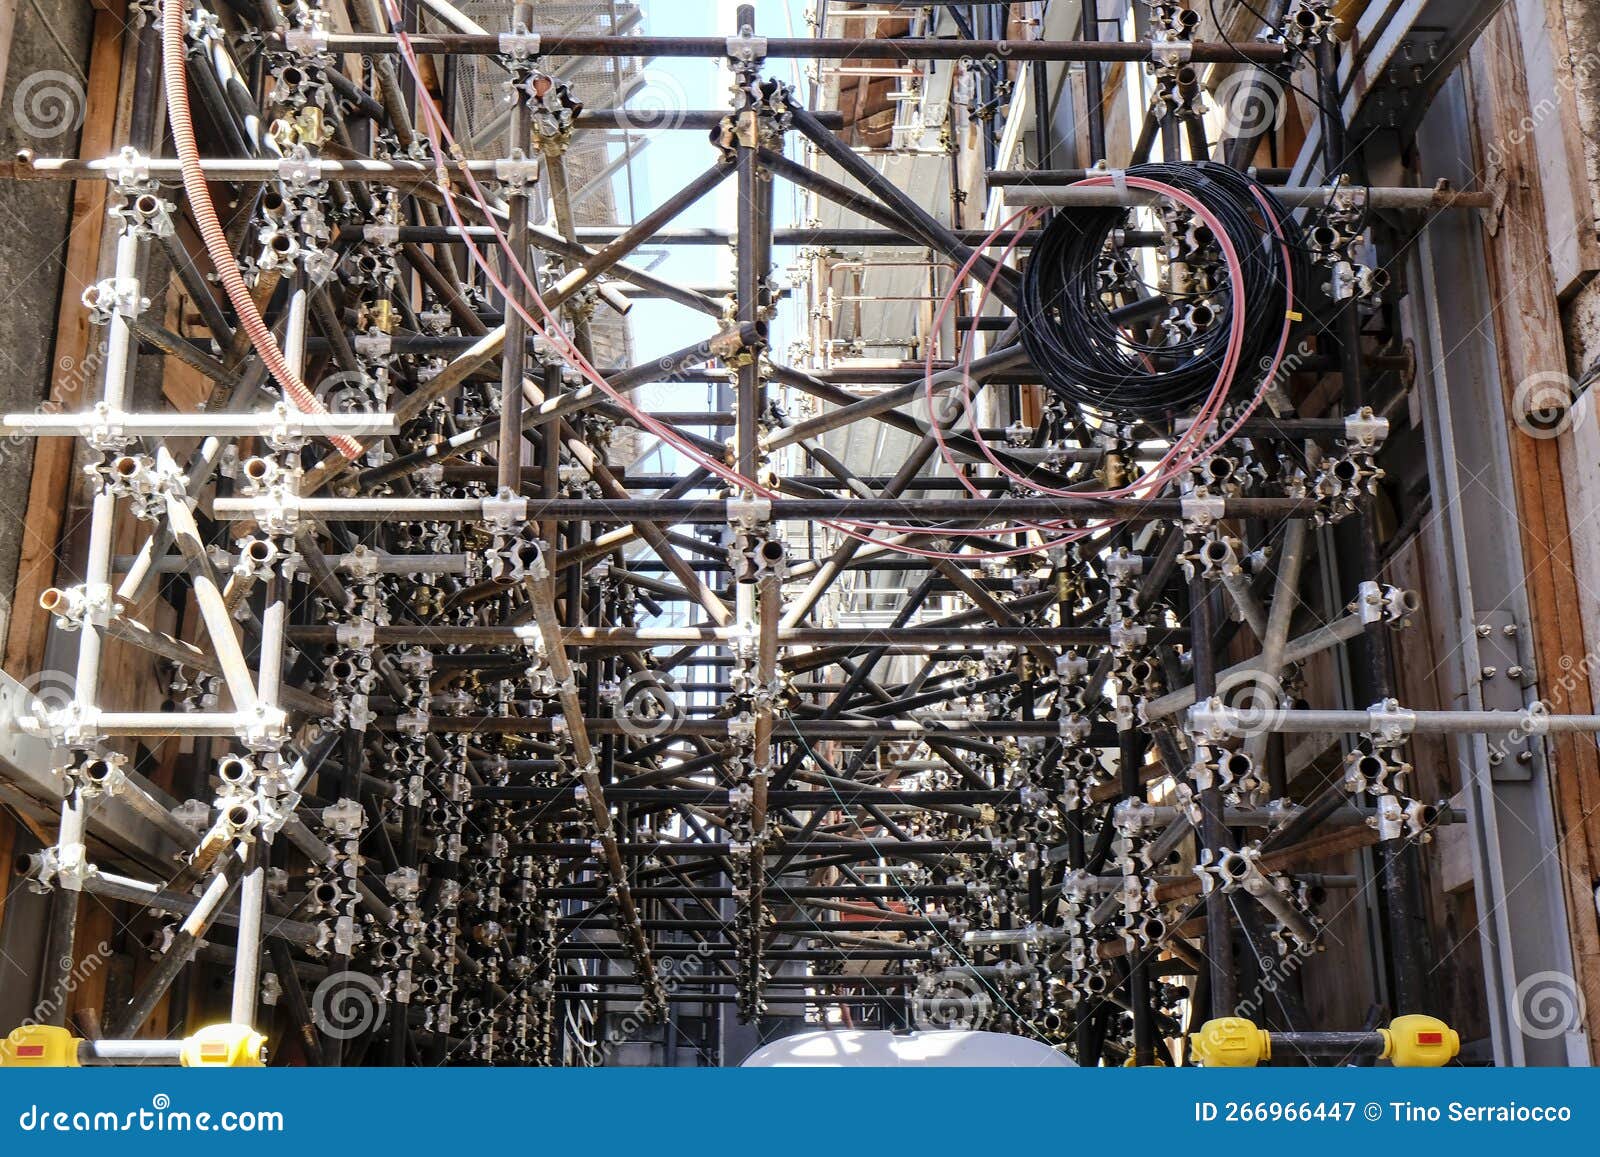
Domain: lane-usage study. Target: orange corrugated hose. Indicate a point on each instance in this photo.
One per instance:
(174, 65)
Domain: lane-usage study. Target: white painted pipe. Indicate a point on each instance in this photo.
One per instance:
(1109, 197)
(263, 424)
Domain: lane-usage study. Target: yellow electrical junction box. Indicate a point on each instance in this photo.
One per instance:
(39, 1046)
(224, 1046)
(1419, 1042)
(1231, 1042)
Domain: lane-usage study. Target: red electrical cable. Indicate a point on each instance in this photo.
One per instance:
(175, 69)
(439, 133)
(1181, 456)
(1178, 458)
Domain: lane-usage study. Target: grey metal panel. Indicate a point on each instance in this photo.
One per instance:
(1521, 903)
(30, 782)
(1412, 57)
(1409, 51)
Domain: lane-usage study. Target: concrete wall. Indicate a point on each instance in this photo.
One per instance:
(41, 108)
(43, 64)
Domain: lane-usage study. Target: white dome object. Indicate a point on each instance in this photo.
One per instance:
(880, 1048)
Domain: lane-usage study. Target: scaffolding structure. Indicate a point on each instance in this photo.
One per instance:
(1000, 723)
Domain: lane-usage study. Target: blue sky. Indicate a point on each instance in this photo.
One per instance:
(672, 158)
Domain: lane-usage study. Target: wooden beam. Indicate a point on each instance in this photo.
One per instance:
(8, 27)
(73, 356)
(8, 844)
(1527, 319)
(91, 954)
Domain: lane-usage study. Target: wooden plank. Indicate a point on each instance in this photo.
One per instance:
(1333, 981)
(8, 27)
(1527, 318)
(1559, 120)
(8, 844)
(73, 356)
(91, 953)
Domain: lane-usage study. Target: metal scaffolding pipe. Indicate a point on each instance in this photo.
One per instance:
(796, 48)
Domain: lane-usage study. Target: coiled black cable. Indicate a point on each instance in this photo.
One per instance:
(1079, 344)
